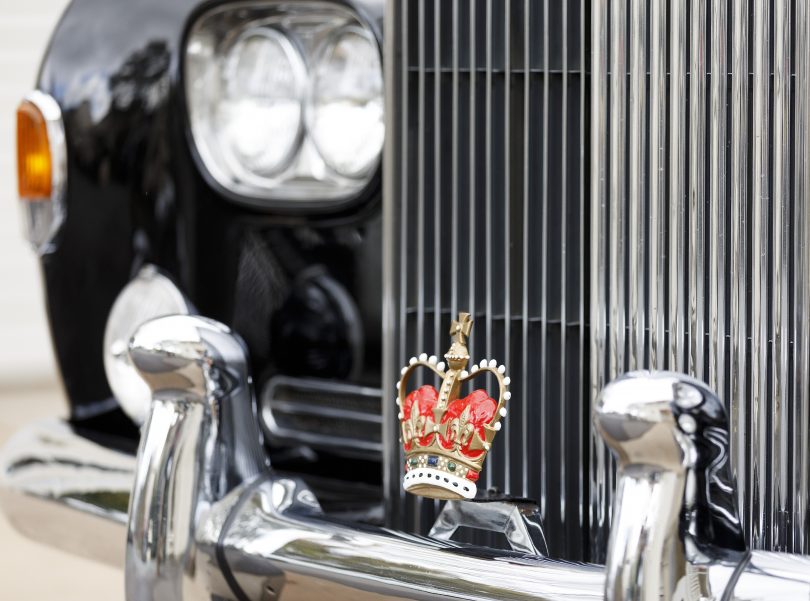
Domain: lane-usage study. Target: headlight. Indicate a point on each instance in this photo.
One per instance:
(346, 110)
(150, 294)
(285, 101)
(258, 117)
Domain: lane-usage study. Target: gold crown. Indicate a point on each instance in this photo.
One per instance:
(446, 438)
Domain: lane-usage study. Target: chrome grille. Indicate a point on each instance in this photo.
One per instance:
(701, 229)
(632, 179)
(486, 213)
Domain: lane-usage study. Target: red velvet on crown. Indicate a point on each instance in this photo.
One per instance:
(481, 411)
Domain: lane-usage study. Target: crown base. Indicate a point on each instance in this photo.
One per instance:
(438, 484)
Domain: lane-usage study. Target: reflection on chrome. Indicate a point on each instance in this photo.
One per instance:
(674, 514)
(676, 532)
(200, 441)
(207, 518)
(518, 520)
(56, 486)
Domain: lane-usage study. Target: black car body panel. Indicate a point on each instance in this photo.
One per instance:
(136, 196)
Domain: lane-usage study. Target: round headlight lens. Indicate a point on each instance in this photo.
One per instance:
(246, 104)
(258, 120)
(150, 294)
(346, 105)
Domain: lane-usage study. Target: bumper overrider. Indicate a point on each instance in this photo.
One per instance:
(199, 513)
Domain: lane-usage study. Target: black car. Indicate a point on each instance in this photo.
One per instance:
(262, 224)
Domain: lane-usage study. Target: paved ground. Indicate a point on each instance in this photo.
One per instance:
(30, 571)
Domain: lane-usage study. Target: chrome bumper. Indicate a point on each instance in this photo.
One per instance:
(267, 537)
(61, 489)
(208, 520)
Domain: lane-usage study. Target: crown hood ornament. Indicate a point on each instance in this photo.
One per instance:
(446, 437)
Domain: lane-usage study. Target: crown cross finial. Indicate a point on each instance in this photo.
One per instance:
(460, 328)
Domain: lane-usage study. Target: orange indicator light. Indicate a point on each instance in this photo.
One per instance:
(34, 175)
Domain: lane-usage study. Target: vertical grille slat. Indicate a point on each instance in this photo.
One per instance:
(437, 174)
(697, 191)
(637, 194)
(454, 164)
(760, 189)
(488, 184)
(616, 194)
(738, 327)
(524, 330)
(780, 289)
(717, 199)
(658, 198)
(801, 295)
(599, 498)
(677, 195)
(563, 281)
(506, 247)
(543, 274)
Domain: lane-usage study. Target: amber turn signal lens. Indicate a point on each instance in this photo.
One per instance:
(33, 153)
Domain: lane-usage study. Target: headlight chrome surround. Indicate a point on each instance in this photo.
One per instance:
(295, 175)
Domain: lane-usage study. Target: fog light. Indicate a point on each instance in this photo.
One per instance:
(150, 294)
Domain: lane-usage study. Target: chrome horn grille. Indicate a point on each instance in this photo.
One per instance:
(655, 219)
(701, 230)
(486, 212)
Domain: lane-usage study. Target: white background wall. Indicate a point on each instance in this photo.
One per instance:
(25, 351)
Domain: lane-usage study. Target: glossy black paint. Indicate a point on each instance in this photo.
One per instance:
(713, 524)
(135, 195)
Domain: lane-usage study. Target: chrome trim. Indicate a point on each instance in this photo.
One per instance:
(677, 185)
(219, 524)
(56, 486)
(617, 194)
(206, 514)
(697, 186)
(279, 542)
(780, 515)
(717, 198)
(43, 241)
(599, 499)
(273, 411)
(518, 520)
(658, 193)
(738, 293)
(637, 195)
(675, 524)
(801, 298)
(760, 208)
(200, 441)
(774, 576)
(676, 532)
